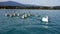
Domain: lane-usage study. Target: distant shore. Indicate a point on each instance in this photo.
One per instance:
(32, 7)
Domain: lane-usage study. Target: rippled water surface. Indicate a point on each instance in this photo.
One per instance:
(30, 25)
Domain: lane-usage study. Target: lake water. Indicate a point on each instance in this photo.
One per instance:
(30, 25)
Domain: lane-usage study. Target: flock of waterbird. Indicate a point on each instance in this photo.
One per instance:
(25, 15)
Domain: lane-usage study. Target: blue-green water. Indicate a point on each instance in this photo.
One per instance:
(30, 25)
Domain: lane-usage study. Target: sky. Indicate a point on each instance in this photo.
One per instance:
(37, 2)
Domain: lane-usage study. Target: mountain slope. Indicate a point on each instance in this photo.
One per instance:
(11, 3)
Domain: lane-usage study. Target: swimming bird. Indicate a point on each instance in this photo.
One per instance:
(18, 14)
(13, 14)
(36, 15)
(45, 19)
(10, 15)
(29, 14)
(24, 15)
(6, 14)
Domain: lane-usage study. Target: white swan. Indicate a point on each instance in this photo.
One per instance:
(18, 14)
(6, 14)
(25, 15)
(45, 19)
(10, 15)
(29, 14)
(14, 14)
(36, 15)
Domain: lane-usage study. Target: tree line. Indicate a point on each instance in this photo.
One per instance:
(31, 7)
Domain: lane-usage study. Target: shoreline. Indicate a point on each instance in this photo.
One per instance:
(32, 7)
(38, 9)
